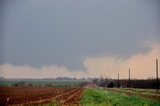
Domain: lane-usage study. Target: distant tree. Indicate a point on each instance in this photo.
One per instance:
(30, 85)
(104, 80)
(111, 84)
(22, 83)
(95, 80)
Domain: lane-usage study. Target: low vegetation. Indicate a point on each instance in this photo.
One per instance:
(42, 82)
(99, 97)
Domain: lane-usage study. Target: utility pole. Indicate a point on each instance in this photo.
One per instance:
(129, 80)
(157, 74)
(118, 81)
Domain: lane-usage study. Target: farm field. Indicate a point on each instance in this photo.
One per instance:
(39, 95)
(99, 97)
(54, 96)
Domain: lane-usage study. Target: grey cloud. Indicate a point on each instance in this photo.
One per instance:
(65, 32)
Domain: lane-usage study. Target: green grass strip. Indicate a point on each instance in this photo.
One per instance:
(99, 97)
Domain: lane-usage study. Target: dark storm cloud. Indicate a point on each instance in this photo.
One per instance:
(37, 32)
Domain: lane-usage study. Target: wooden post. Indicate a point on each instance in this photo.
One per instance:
(106, 82)
(157, 74)
(129, 80)
(118, 81)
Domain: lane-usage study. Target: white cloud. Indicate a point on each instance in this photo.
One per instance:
(25, 71)
(141, 65)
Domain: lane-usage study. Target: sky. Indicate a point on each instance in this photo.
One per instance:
(85, 38)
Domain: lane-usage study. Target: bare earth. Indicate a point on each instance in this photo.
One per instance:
(39, 95)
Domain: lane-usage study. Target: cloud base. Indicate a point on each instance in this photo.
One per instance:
(142, 65)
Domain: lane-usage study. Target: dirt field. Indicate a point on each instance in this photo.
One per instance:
(39, 95)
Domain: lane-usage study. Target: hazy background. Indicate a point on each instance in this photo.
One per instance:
(86, 38)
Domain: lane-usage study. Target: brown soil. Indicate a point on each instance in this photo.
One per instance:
(39, 95)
